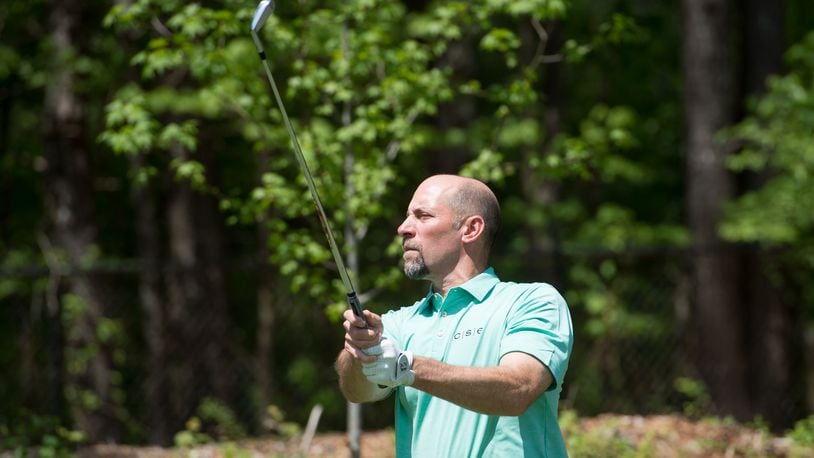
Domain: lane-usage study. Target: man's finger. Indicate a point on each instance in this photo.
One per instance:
(374, 320)
(353, 320)
(359, 354)
(362, 337)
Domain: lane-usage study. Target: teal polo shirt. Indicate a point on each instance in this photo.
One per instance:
(475, 325)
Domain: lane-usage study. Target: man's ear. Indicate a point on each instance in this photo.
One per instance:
(472, 228)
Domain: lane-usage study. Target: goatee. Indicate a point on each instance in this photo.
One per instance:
(416, 269)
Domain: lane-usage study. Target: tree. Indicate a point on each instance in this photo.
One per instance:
(90, 330)
(709, 107)
(776, 218)
(162, 144)
(221, 276)
(357, 84)
(772, 351)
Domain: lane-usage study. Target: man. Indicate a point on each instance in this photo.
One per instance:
(477, 365)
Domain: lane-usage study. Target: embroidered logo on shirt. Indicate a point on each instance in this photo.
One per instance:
(467, 333)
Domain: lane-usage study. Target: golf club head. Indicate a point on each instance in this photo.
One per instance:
(261, 14)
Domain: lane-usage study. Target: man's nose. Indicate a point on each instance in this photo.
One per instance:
(405, 229)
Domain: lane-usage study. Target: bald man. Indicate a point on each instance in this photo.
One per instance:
(476, 365)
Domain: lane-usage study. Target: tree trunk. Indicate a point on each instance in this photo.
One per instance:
(764, 43)
(774, 340)
(184, 292)
(202, 359)
(70, 200)
(6, 181)
(153, 303)
(708, 107)
(354, 410)
(264, 361)
(540, 193)
(460, 57)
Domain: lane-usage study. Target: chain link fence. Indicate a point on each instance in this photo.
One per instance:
(631, 350)
(631, 316)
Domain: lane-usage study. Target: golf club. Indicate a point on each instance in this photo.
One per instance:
(261, 14)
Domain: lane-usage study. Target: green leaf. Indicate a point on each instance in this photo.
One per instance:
(500, 40)
(184, 134)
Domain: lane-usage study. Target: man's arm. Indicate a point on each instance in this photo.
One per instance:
(358, 336)
(507, 389)
(353, 383)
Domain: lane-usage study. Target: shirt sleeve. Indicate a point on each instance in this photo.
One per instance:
(539, 324)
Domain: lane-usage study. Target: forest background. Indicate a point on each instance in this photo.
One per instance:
(160, 258)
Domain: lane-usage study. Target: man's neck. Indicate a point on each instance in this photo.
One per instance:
(455, 278)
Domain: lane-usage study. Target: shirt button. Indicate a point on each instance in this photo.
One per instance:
(440, 333)
(443, 314)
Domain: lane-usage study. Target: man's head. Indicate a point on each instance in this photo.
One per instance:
(451, 224)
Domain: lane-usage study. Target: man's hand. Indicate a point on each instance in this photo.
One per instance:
(361, 346)
(392, 368)
(361, 339)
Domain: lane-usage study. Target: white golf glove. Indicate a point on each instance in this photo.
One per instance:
(375, 350)
(393, 367)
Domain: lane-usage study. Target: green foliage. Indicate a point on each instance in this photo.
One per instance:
(803, 432)
(277, 418)
(10, 261)
(108, 336)
(643, 437)
(191, 436)
(597, 152)
(212, 412)
(362, 82)
(776, 139)
(549, 9)
(615, 228)
(618, 30)
(366, 82)
(220, 419)
(358, 86)
(802, 438)
(8, 60)
(503, 41)
(231, 450)
(488, 166)
(609, 317)
(697, 403)
(776, 146)
(42, 436)
(213, 420)
(604, 442)
(131, 127)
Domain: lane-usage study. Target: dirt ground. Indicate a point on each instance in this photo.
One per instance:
(654, 436)
(672, 436)
(375, 444)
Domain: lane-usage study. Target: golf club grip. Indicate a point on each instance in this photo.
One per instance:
(356, 306)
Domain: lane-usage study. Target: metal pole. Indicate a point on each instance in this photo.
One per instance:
(354, 410)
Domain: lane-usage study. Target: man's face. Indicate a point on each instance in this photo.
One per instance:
(431, 244)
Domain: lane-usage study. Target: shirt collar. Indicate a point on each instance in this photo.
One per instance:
(477, 287)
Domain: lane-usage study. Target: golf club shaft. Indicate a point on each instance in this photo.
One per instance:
(353, 299)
